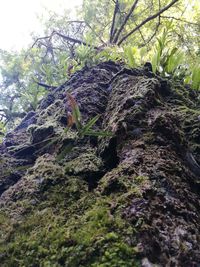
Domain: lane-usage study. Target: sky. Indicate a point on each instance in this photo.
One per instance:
(18, 18)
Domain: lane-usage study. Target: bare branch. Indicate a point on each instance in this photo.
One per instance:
(40, 38)
(65, 37)
(147, 20)
(125, 21)
(113, 20)
(152, 36)
(141, 34)
(73, 40)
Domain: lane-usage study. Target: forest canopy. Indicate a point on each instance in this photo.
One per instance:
(162, 32)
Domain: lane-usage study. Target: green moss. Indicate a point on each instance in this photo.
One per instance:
(181, 94)
(117, 254)
(85, 163)
(36, 239)
(5, 226)
(119, 182)
(95, 224)
(70, 227)
(104, 234)
(190, 125)
(140, 179)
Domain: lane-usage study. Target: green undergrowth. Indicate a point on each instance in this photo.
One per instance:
(70, 227)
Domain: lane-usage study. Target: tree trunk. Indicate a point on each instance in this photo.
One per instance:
(131, 199)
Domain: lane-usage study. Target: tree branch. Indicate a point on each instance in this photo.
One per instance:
(48, 87)
(65, 37)
(141, 34)
(147, 20)
(152, 36)
(125, 21)
(113, 20)
(73, 40)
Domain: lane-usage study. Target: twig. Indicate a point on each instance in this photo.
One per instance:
(182, 20)
(152, 36)
(156, 29)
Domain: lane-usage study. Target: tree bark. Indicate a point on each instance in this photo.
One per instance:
(131, 199)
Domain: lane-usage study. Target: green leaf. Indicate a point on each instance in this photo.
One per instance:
(130, 56)
(88, 126)
(196, 78)
(66, 130)
(155, 61)
(77, 117)
(174, 59)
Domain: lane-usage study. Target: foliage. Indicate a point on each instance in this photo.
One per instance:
(196, 77)
(19, 92)
(75, 118)
(170, 61)
(166, 60)
(163, 32)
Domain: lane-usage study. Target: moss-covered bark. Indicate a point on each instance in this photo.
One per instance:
(127, 200)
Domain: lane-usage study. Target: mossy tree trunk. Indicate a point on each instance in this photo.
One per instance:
(127, 200)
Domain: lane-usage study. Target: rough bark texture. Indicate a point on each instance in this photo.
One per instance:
(127, 200)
